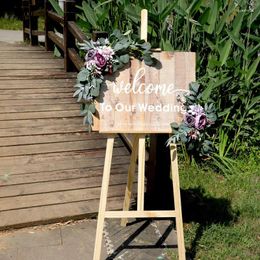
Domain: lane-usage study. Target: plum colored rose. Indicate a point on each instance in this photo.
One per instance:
(100, 60)
(200, 121)
(189, 120)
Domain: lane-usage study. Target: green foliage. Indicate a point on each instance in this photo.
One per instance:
(10, 23)
(225, 37)
(230, 76)
(56, 7)
(104, 15)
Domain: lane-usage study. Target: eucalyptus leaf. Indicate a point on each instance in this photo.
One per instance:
(83, 75)
(94, 92)
(124, 58)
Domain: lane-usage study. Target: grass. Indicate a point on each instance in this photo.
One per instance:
(221, 214)
(12, 23)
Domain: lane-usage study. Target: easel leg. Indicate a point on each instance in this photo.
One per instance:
(130, 179)
(103, 198)
(141, 173)
(177, 201)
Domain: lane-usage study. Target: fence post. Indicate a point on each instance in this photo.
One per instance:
(69, 40)
(33, 23)
(25, 7)
(49, 46)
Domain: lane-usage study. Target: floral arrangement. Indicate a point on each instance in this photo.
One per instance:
(105, 56)
(193, 131)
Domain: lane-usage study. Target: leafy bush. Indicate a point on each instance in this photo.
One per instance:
(224, 35)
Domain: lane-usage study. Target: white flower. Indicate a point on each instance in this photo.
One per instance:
(90, 64)
(107, 52)
(196, 110)
(107, 41)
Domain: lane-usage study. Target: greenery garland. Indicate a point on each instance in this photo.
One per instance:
(193, 131)
(106, 56)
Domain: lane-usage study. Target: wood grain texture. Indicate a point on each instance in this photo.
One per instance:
(130, 112)
(54, 213)
(50, 166)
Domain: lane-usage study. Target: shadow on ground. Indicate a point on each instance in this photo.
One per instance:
(130, 242)
(196, 207)
(205, 210)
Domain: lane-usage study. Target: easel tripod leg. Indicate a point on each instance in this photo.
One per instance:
(177, 201)
(103, 198)
(130, 179)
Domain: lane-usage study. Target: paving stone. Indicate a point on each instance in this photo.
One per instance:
(9, 254)
(167, 231)
(85, 231)
(30, 238)
(69, 252)
(139, 240)
(83, 235)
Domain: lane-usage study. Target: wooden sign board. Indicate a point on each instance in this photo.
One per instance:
(143, 99)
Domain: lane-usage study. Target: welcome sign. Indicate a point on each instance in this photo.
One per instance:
(143, 99)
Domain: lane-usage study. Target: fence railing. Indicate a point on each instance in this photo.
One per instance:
(31, 13)
(59, 31)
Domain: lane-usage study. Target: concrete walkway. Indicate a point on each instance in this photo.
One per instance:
(11, 36)
(142, 240)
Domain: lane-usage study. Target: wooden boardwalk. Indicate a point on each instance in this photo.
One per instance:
(50, 167)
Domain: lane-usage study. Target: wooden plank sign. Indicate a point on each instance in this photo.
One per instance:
(143, 99)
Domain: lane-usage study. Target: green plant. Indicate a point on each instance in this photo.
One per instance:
(10, 23)
(55, 5)
(225, 36)
(231, 74)
(104, 15)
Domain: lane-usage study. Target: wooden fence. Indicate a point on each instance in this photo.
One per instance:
(59, 31)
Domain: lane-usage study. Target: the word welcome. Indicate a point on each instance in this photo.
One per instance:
(139, 87)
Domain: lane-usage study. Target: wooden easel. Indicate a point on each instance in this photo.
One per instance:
(138, 152)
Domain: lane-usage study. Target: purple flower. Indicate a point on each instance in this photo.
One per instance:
(200, 121)
(189, 120)
(90, 55)
(100, 60)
